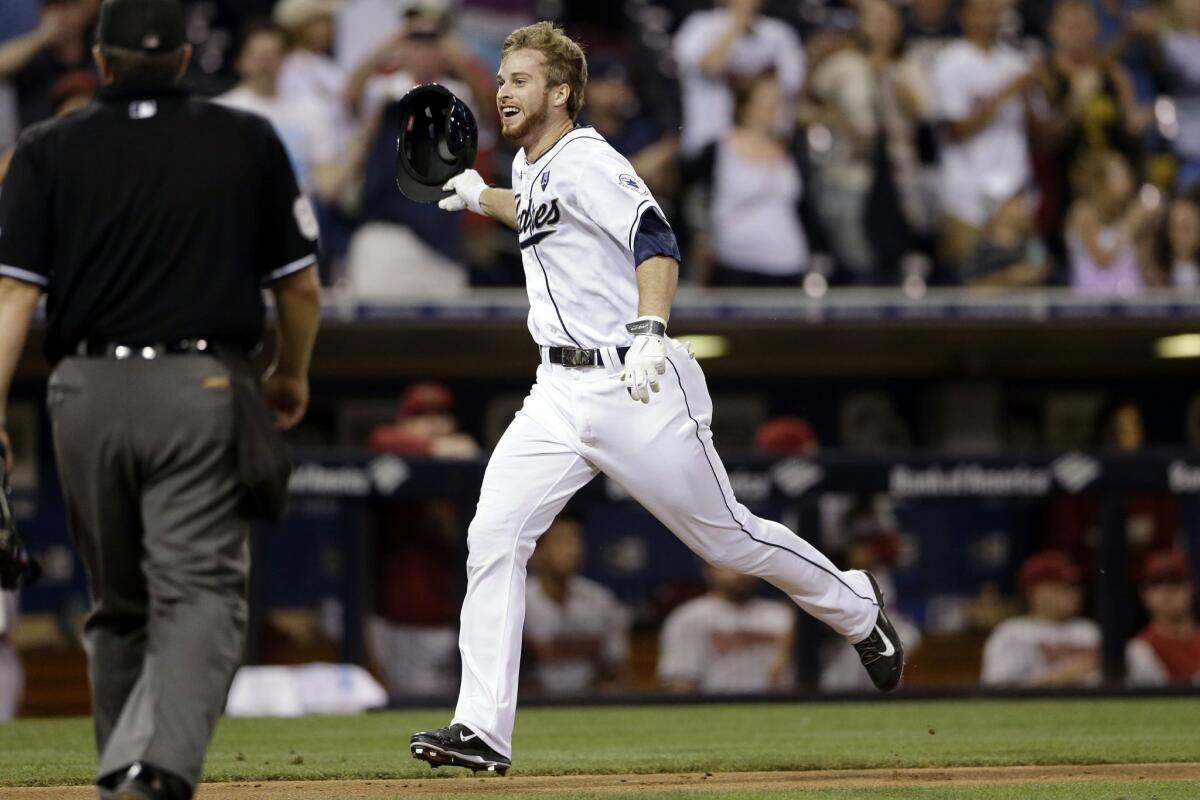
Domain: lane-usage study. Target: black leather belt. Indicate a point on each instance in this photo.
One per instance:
(152, 350)
(576, 357)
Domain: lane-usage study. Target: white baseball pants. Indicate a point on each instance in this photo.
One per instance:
(575, 423)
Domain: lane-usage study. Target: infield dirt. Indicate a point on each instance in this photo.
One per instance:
(693, 782)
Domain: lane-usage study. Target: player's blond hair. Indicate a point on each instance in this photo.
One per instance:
(565, 62)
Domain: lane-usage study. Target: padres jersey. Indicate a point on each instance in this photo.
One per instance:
(584, 222)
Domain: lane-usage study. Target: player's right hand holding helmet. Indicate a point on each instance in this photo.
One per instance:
(468, 187)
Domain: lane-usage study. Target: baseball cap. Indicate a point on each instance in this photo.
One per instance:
(431, 7)
(293, 14)
(1048, 566)
(426, 397)
(1166, 566)
(785, 436)
(149, 26)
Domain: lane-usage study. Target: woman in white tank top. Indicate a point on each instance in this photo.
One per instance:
(754, 194)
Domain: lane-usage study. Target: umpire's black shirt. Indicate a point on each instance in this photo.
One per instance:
(151, 216)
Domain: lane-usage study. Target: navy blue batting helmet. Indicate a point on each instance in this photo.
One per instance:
(438, 140)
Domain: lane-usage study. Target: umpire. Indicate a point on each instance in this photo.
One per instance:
(152, 219)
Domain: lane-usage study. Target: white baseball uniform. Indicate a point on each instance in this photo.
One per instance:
(574, 639)
(1143, 667)
(580, 206)
(1023, 650)
(724, 647)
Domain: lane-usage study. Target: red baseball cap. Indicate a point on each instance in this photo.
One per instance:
(1047, 566)
(426, 397)
(785, 436)
(1166, 566)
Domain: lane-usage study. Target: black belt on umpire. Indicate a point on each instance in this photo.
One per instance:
(578, 357)
(146, 351)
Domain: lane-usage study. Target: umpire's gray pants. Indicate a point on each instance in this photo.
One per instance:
(146, 454)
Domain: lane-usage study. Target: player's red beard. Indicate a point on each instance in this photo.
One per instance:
(528, 121)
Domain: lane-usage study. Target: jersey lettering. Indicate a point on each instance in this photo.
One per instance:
(533, 221)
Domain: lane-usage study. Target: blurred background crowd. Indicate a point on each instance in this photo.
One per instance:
(792, 143)
(842, 142)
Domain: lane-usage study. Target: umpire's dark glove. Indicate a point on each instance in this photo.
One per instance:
(17, 567)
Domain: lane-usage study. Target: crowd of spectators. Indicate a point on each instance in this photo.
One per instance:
(872, 142)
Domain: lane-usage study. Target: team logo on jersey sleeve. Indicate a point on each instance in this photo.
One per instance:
(545, 179)
(306, 218)
(632, 182)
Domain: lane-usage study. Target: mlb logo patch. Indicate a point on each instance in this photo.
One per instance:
(545, 179)
(631, 182)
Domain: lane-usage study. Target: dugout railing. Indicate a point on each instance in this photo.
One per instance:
(1045, 332)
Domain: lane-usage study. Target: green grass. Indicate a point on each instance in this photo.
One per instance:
(1161, 790)
(672, 739)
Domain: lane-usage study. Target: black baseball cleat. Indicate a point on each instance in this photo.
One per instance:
(882, 652)
(457, 746)
(143, 781)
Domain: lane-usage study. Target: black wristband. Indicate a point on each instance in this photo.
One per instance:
(646, 326)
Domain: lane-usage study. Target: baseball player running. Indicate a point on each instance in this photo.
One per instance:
(614, 394)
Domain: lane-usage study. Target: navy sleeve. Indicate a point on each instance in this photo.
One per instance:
(654, 238)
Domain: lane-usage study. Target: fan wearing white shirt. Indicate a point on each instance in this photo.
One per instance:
(982, 89)
(309, 70)
(307, 135)
(737, 40)
(575, 629)
(423, 50)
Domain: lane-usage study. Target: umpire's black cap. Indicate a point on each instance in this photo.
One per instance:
(148, 26)
(438, 139)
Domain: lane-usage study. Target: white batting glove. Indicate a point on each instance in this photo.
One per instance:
(467, 186)
(647, 357)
